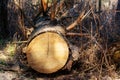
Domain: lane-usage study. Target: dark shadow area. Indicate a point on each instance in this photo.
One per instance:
(4, 33)
(34, 74)
(117, 17)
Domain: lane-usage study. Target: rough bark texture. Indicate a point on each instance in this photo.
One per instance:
(118, 13)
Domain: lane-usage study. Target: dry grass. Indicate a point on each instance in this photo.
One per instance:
(95, 56)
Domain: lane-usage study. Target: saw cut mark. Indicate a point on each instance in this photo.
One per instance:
(48, 45)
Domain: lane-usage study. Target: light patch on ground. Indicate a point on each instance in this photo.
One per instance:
(7, 75)
(10, 49)
(3, 57)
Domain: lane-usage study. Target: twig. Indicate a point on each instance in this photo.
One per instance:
(90, 68)
(8, 69)
(77, 34)
(18, 42)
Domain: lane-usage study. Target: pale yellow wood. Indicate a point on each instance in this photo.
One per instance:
(47, 53)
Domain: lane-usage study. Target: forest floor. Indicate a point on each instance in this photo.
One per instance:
(10, 70)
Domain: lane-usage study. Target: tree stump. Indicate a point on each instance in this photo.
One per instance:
(48, 51)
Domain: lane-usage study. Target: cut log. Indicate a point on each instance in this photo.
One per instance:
(48, 52)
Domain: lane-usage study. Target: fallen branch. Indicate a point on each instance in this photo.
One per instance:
(19, 42)
(79, 19)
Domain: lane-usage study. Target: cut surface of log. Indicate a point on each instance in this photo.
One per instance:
(47, 53)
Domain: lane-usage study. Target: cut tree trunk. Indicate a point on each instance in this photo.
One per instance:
(47, 51)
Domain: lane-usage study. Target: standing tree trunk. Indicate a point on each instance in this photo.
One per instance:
(117, 17)
(4, 33)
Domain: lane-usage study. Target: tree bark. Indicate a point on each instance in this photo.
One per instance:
(117, 17)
